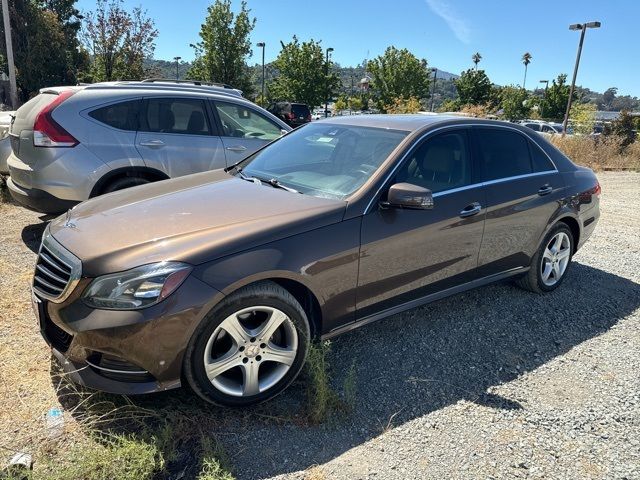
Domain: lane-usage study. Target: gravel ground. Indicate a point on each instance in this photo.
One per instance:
(493, 383)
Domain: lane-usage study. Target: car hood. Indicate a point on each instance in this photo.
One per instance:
(193, 219)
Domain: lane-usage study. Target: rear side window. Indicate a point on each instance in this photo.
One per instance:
(123, 115)
(176, 115)
(503, 153)
(541, 162)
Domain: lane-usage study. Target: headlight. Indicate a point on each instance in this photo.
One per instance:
(136, 288)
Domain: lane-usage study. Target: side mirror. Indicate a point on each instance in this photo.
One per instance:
(407, 195)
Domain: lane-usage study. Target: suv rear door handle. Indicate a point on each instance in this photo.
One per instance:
(152, 143)
(471, 210)
(545, 189)
(237, 148)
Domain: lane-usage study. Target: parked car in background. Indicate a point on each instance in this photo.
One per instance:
(543, 127)
(228, 275)
(293, 114)
(74, 143)
(5, 143)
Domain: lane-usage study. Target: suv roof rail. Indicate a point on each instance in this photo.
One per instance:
(190, 82)
(159, 83)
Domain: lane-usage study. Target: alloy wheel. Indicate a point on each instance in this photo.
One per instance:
(555, 259)
(250, 351)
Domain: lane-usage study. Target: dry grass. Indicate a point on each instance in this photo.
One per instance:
(603, 153)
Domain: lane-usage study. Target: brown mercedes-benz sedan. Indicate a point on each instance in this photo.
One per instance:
(221, 279)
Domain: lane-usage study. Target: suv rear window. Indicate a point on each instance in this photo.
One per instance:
(300, 110)
(123, 115)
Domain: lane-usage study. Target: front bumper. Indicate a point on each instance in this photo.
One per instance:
(38, 200)
(146, 346)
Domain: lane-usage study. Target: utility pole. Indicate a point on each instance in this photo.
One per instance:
(262, 45)
(13, 89)
(177, 59)
(326, 86)
(583, 27)
(433, 90)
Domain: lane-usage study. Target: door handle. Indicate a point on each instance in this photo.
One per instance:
(237, 148)
(545, 189)
(152, 143)
(471, 210)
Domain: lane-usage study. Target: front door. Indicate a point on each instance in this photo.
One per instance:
(177, 137)
(244, 130)
(407, 254)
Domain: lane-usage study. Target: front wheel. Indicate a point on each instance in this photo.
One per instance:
(249, 348)
(551, 262)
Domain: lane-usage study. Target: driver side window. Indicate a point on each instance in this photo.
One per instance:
(440, 163)
(243, 122)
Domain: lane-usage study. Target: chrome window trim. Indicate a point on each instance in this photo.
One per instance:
(424, 136)
(65, 257)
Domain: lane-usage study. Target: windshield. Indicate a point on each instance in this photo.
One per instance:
(324, 160)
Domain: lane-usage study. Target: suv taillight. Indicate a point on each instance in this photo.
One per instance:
(47, 132)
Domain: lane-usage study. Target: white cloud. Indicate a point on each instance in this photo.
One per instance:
(456, 23)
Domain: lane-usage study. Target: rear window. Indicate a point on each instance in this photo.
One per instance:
(300, 110)
(504, 153)
(122, 115)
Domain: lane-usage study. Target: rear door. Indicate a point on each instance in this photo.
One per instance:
(243, 129)
(522, 189)
(177, 136)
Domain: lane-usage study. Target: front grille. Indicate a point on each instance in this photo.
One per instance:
(56, 270)
(58, 338)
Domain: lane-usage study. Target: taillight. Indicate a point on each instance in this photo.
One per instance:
(597, 189)
(47, 132)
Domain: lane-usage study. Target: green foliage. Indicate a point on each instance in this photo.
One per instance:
(449, 105)
(118, 40)
(474, 87)
(340, 104)
(475, 58)
(404, 105)
(224, 47)
(44, 43)
(398, 74)
(554, 105)
(355, 103)
(303, 74)
(514, 103)
(214, 461)
(583, 117)
(623, 127)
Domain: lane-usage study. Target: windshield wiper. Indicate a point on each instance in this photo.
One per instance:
(271, 181)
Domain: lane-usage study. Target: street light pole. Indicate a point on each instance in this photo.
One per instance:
(13, 89)
(433, 90)
(583, 27)
(326, 85)
(262, 45)
(177, 72)
(546, 85)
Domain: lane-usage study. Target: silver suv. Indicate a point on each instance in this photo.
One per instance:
(73, 143)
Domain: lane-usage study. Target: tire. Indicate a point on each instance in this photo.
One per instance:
(244, 368)
(535, 279)
(124, 182)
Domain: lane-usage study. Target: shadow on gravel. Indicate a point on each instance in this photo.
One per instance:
(412, 364)
(32, 234)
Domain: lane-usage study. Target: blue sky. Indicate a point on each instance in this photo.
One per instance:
(445, 32)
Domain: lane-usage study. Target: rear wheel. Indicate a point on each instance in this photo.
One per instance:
(125, 182)
(249, 348)
(551, 262)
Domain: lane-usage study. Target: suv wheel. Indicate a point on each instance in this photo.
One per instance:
(249, 348)
(551, 262)
(124, 182)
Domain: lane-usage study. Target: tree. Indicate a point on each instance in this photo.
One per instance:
(555, 104)
(398, 74)
(474, 87)
(224, 47)
(514, 103)
(623, 127)
(119, 41)
(475, 58)
(404, 105)
(356, 103)
(340, 104)
(526, 60)
(302, 76)
(583, 117)
(44, 43)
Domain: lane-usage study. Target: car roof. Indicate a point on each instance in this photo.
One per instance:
(404, 122)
